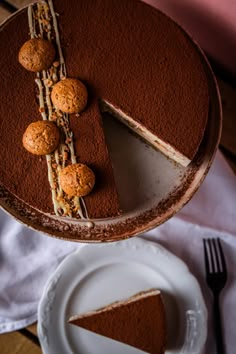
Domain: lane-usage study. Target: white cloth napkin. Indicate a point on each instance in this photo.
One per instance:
(27, 258)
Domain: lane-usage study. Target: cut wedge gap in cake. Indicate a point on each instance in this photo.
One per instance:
(135, 184)
(138, 321)
(168, 150)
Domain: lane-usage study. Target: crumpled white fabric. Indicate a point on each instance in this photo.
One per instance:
(27, 258)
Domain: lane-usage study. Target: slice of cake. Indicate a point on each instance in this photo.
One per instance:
(138, 321)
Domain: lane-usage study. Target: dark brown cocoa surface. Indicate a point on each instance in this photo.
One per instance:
(142, 62)
(139, 323)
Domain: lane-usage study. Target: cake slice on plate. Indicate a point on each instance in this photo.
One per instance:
(138, 321)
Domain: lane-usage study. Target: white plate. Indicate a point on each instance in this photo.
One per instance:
(100, 274)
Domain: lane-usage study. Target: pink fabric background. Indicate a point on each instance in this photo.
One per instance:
(212, 23)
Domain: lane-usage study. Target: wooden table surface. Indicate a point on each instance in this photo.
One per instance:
(26, 341)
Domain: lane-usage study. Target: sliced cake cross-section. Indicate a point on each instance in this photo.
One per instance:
(138, 321)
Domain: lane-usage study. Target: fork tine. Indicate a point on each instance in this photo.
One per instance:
(213, 268)
(217, 255)
(216, 279)
(206, 256)
(222, 256)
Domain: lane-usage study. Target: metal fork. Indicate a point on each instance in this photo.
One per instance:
(216, 277)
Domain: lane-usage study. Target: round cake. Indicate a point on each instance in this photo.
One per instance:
(135, 62)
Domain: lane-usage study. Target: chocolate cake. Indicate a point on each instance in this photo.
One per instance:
(135, 62)
(138, 321)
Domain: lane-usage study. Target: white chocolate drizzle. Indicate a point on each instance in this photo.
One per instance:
(31, 22)
(43, 23)
(62, 62)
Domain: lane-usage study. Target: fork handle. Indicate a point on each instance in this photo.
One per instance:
(220, 348)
